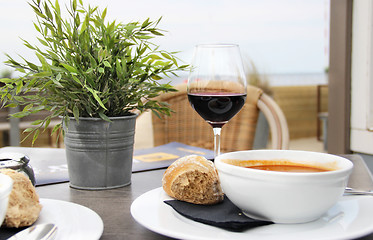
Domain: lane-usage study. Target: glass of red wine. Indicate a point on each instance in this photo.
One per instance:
(217, 85)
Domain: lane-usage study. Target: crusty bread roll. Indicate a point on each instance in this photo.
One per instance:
(193, 179)
(24, 207)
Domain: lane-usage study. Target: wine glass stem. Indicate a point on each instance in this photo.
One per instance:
(217, 131)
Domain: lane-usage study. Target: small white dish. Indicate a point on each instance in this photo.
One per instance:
(350, 218)
(73, 221)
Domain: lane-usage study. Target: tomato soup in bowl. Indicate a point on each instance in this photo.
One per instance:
(283, 186)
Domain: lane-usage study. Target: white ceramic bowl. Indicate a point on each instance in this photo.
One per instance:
(283, 197)
(6, 186)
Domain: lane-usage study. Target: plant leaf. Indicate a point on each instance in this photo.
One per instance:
(107, 64)
(36, 134)
(76, 112)
(37, 122)
(70, 68)
(103, 116)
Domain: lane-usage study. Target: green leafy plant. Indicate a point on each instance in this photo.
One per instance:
(88, 67)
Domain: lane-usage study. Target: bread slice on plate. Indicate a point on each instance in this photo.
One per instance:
(193, 179)
(24, 206)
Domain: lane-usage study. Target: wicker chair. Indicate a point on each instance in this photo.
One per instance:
(186, 126)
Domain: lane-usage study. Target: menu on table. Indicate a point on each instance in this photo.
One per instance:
(50, 166)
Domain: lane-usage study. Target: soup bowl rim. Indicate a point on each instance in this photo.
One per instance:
(345, 164)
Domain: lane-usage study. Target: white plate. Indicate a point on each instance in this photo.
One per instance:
(350, 218)
(73, 221)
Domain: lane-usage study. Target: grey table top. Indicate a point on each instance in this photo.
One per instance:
(114, 205)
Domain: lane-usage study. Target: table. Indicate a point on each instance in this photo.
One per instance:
(114, 205)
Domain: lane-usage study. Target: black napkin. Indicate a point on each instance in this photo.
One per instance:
(224, 215)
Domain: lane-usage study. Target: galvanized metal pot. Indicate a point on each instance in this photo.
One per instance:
(99, 153)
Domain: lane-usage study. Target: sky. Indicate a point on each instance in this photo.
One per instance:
(278, 36)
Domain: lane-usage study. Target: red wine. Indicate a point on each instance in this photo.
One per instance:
(217, 108)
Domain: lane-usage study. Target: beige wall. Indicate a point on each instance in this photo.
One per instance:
(299, 104)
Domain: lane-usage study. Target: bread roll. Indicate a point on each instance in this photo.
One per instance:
(24, 207)
(193, 179)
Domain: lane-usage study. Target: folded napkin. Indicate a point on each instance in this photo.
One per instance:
(224, 215)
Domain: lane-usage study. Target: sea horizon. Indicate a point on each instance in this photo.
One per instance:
(274, 79)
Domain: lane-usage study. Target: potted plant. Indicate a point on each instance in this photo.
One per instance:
(93, 74)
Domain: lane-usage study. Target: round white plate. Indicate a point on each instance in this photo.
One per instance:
(350, 218)
(73, 221)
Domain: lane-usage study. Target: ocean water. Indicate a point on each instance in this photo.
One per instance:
(298, 79)
(292, 79)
